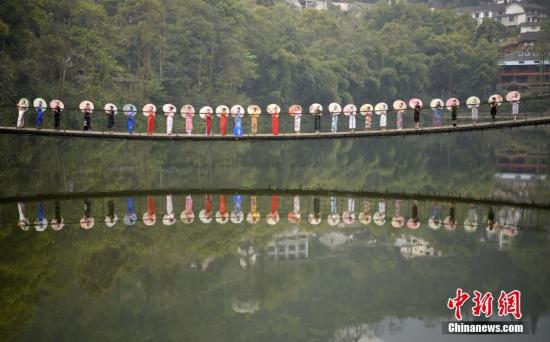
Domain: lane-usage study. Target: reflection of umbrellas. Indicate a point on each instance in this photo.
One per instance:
(253, 218)
(433, 224)
(204, 216)
(333, 219)
(473, 101)
(295, 110)
(149, 108)
(366, 108)
(414, 101)
(23, 224)
(334, 108)
(111, 221)
(222, 218)
(55, 103)
(254, 110)
(399, 105)
(237, 217)
(87, 222)
(130, 219)
(470, 223)
(273, 108)
(23, 103)
(237, 109)
(449, 223)
(497, 97)
(204, 110)
(149, 219)
(348, 217)
(435, 102)
(169, 108)
(379, 219)
(57, 224)
(413, 224)
(365, 218)
(314, 108)
(39, 101)
(513, 96)
(169, 219)
(453, 101)
(294, 217)
(187, 217)
(187, 109)
(314, 219)
(272, 218)
(397, 221)
(107, 108)
(41, 225)
(222, 109)
(381, 107)
(84, 103)
(129, 110)
(350, 109)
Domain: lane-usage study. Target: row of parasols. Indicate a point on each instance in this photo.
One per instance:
(274, 109)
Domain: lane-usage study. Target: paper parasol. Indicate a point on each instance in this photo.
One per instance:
(129, 110)
(334, 109)
(333, 219)
(272, 218)
(453, 101)
(366, 108)
(381, 107)
(111, 222)
(473, 101)
(365, 218)
(87, 222)
(273, 108)
(169, 108)
(513, 96)
(449, 224)
(55, 103)
(414, 101)
(348, 218)
(83, 105)
(222, 218)
(130, 219)
(397, 221)
(314, 108)
(294, 217)
(237, 109)
(435, 102)
(57, 224)
(41, 225)
(187, 109)
(107, 108)
(24, 102)
(236, 217)
(470, 226)
(222, 109)
(399, 105)
(350, 109)
(254, 110)
(204, 110)
(497, 98)
(187, 217)
(168, 219)
(204, 217)
(39, 101)
(295, 110)
(314, 220)
(413, 224)
(434, 225)
(253, 218)
(149, 108)
(149, 219)
(379, 219)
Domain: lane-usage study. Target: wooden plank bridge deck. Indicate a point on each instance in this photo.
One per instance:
(535, 121)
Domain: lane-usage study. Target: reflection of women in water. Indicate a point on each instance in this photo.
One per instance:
(41, 222)
(39, 114)
(333, 217)
(414, 221)
(364, 216)
(450, 221)
(294, 216)
(87, 221)
(397, 220)
(205, 215)
(490, 219)
(379, 217)
(23, 221)
(149, 217)
(273, 216)
(169, 217)
(253, 216)
(348, 216)
(470, 223)
(111, 219)
(315, 217)
(188, 216)
(222, 216)
(435, 220)
(237, 213)
(130, 218)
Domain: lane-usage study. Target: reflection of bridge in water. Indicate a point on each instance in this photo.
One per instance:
(462, 127)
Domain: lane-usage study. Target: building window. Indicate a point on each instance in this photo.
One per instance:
(476, 15)
(511, 19)
(486, 14)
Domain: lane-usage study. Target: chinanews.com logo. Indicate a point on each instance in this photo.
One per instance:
(508, 311)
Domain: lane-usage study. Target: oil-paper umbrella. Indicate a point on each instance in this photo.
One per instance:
(108, 107)
(221, 109)
(365, 218)
(333, 219)
(381, 108)
(399, 105)
(237, 110)
(316, 109)
(295, 110)
(413, 223)
(433, 223)
(273, 108)
(449, 223)
(453, 101)
(253, 218)
(57, 224)
(272, 218)
(149, 219)
(129, 110)
(334, 109)
(55, 103)
(204, 110)
(187, 109)
(497, 98)
(350, 109)
(513, 96)
(473, 101)
(436, 102)
(84, 104)
(169, 108)
(149, 108)
(23, 103)
(415, 101)
(366, 108)
(111, 221)
(87, 222)
(39, 102)
(254, 110)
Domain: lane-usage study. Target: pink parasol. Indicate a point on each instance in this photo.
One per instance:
(350, 109)
(399, 105)
(413, 224)
(497, 98)
(55, 103)
(222, 110)
(87, 222)
(187, 109)
(453, 101)
(415, 101)
(449, 224)
(107, 108)
(149, 108)
(473, 101)
(513, 96)
(84, 103)
(295, 110)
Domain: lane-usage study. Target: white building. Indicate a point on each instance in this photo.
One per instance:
(289, 246)
(412, 247)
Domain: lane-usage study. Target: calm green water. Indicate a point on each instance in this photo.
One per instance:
(361, 239)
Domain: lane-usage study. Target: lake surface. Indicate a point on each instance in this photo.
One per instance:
(359, 239)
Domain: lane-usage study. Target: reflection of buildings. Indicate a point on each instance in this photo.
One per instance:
(335, 239)
(506, 227)
(411, 247)
(519, 171)
(289, 246)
